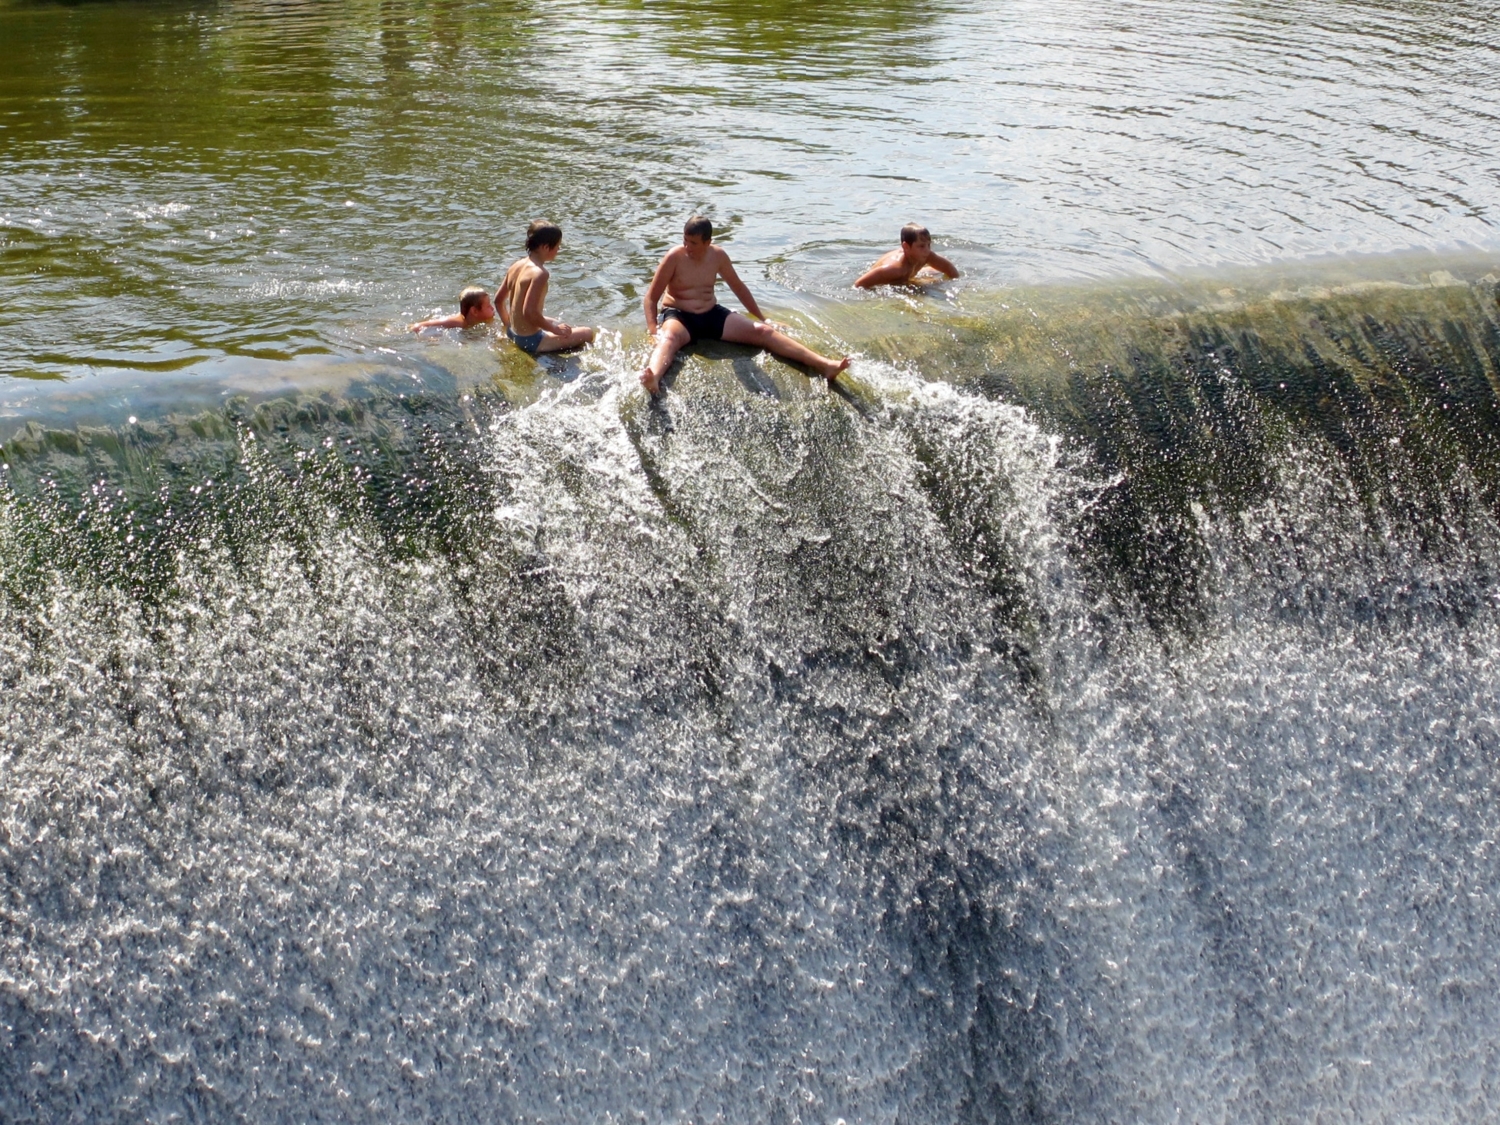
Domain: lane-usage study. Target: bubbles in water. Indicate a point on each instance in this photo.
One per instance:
(762, 751)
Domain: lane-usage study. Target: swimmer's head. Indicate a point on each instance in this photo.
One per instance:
(698, 227)
(543, 232)
(915, 232)
(474, 304)
(472, 298)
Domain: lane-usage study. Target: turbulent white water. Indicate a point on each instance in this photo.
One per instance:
(755, 756)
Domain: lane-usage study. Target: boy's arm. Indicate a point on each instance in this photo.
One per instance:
(536, 297)
(659, 280)
(502, 300)
(882, 272)
(738, 287)
(439, 322)
(943, 265)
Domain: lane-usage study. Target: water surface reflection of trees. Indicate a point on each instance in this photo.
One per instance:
(799, 38)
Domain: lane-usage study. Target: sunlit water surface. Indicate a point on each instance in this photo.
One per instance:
(186, 182)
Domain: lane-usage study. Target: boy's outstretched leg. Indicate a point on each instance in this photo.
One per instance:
(671, 338)
(742, 330)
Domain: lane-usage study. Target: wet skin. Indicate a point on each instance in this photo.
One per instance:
(686, 279)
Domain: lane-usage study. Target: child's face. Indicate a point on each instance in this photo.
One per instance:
(919, 250)
(696, 245)
(485, 311)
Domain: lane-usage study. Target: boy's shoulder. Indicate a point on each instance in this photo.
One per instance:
(525, 267)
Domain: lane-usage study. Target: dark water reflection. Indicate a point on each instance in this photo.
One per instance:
(788, 40)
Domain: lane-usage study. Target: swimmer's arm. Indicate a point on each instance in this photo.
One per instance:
(439, 322)
(659, 282)
(943, 265)
(881, 274)
(739, 288)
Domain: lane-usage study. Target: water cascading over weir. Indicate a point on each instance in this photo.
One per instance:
(1087, 712)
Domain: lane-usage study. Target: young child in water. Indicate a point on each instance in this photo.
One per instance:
(474, 307)
(901, 266)
(524, 290)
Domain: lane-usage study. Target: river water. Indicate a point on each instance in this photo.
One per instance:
(1084, 711)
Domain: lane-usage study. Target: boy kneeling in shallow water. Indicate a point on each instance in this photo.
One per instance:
(687, 276)
(901, 266)
(474, 307)
(521, 294)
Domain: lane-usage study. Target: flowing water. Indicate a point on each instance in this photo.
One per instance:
(1086, 710)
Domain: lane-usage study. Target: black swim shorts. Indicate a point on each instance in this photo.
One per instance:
(701, 326)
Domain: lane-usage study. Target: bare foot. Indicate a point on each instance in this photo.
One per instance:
(831, 372)
(649, 380)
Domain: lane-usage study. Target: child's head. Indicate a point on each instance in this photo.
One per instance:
(474, 304)
(913, 233)
(543, 232)
(697, 234)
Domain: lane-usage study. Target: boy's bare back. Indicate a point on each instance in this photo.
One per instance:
(523, 294)
(519, 280)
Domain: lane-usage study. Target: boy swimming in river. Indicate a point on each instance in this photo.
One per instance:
(687, 276)
(521, 294)
(474, 307)
(901, 266)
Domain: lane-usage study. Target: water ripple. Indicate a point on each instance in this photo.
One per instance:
(175, 166)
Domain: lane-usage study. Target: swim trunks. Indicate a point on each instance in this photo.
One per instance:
(701, 326)
(527, 344)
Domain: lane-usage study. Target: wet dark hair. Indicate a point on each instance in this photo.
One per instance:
(542, 232)
(471, 298)
(700, 227)
(913, 232)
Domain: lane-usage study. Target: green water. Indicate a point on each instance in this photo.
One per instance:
(219, 188)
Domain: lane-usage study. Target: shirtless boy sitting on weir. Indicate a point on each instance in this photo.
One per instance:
(687, 276)
(474, 307)
(901, 266)
(521, 294)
